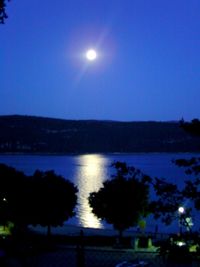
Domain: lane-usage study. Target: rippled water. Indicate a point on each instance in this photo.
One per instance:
(89, 171)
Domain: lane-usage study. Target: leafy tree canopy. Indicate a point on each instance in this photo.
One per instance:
(3, 14)
(54, 199)
(192, 127)
(192, 166)
(13, 194)
(44, 198)
(124, 199)
(169, 197)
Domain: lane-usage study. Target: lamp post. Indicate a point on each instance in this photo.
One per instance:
(181, 211)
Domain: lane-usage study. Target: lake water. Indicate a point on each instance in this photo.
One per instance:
(88, 172)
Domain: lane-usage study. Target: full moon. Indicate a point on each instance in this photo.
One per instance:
(91, 54)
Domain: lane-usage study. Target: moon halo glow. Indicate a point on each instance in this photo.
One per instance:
(91, 54)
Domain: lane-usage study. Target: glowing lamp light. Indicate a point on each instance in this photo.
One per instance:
(180, 243)
(181, 210)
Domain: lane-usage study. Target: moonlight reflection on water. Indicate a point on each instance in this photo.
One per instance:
(89, 171)
(89, 179)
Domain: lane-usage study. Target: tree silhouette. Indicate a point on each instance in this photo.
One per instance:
(3, 14)
(13, 195)
(54, 199)
(192, 127)
(169, 197)
(44, 198)
(192, 166)
(123, 200)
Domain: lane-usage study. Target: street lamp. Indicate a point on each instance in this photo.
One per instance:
(181, 211)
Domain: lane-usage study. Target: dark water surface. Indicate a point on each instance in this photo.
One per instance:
(88, 171)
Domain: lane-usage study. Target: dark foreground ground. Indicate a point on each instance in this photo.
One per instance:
(80, 251)
(93, 257)
(67, 257)
(61, 255)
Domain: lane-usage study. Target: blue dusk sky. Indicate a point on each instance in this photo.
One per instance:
(147, 65)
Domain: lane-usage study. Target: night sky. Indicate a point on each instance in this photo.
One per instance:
(148, 64)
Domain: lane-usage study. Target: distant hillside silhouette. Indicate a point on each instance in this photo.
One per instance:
(29, 134)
